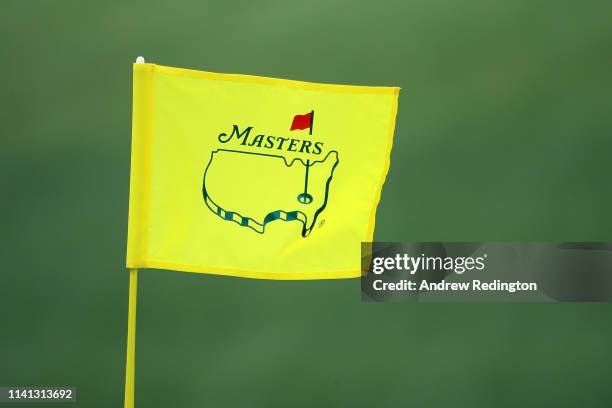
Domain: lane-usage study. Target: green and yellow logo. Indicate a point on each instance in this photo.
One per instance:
(282, 178)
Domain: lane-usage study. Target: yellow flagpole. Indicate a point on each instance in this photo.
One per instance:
(130, 360)
(131, 342)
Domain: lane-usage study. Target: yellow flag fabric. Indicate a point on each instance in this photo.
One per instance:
(252, 176)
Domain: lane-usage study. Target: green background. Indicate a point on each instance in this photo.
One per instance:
(503, 133)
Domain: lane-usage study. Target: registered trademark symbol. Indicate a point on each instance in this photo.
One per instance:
(321, 224)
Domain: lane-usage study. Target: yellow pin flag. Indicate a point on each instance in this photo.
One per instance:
(252, 177)
(255, 177)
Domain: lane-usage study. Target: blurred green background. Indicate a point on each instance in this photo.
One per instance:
(503, 133)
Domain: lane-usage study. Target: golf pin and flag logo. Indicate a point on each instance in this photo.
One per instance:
(301, 122)
(255, 177)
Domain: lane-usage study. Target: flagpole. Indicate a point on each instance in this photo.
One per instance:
(130, 359)
(311, 122)
(308, 161)
(130, 363)
(304, 197)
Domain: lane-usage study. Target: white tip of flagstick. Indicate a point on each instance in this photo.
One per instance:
(140, 60)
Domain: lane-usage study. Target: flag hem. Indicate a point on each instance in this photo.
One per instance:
(313, 86)
(140, 161)
(212, 270)
(385, 171)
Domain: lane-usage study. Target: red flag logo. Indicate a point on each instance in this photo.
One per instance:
(303, 122)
